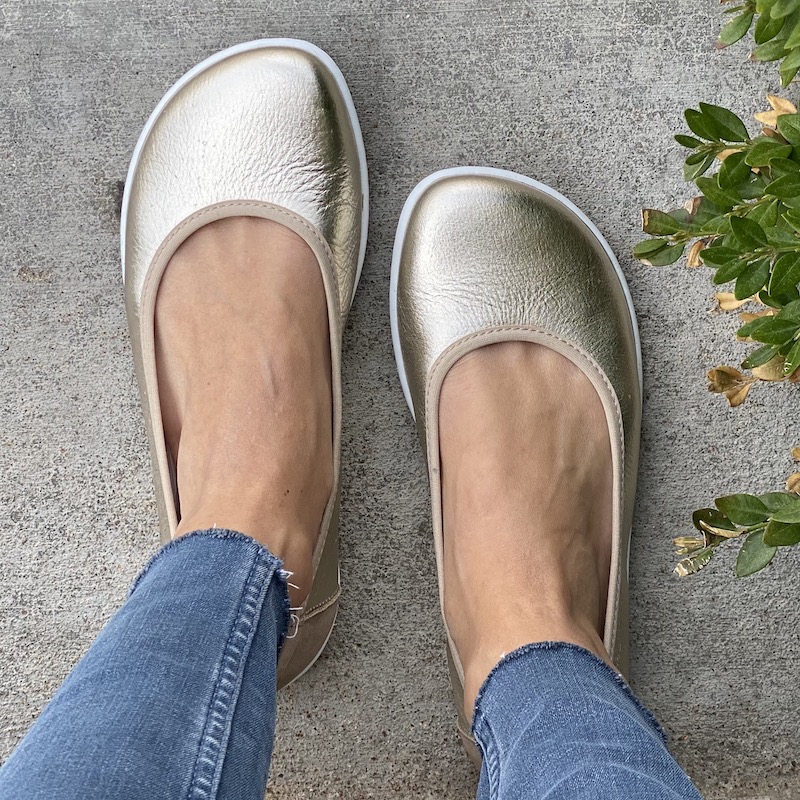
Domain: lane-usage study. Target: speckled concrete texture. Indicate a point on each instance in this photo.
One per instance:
(584, 96)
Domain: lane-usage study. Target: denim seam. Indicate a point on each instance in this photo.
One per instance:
(618, 679)
(207, 770)
(482, 729)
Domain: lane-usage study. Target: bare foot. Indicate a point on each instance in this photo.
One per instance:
(527, 496)
(244, 373)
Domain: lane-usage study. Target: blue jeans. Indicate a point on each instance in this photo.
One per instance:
(175, 700)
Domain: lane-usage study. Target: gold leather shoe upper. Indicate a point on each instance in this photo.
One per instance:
(268, 124)
(264, 129)
(483, 256)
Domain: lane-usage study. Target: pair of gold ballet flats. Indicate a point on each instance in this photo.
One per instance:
(268, 129)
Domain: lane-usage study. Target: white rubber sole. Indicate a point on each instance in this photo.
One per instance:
(402, 227)
(295, 44)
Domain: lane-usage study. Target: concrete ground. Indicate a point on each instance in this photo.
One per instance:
(581, 95)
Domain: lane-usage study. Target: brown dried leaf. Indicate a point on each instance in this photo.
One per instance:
(723, 532)
(773, 134)
(727, 301)
(768, 118)
(749, 316)
(771, 371)
(796, 453)
(793, 483)
(728, 151)
(687, 544)
(733, 384)
(781, 104)
(692, 205)
(693, 258)
(693, 563)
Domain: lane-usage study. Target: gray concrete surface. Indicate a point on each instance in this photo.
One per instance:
(582, 95)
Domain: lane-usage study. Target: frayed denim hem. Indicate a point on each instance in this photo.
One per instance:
(279, 573)
(477, 714)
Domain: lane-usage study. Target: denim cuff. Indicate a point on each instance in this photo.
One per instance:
(247, 547)
(583, 661)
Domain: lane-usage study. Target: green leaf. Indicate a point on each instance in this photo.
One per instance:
(769, 51)
(788, 514)
(782, 8)
(724, 123)
(792, 359)
(748, 233)
(752, 279)
(648, 247)
(760, 356)
(791, 202)
(657, 223)
(761, 153)
(717, 225)
(669, 255)
(789, 67)
(765, 214)
(699, 125)
(687, 141)
(742, 509)
(793, 40)
(692, 171)
(785, 187)
(730, 271)
(789, 127)
(767, 28)
(781, 534)
(734, 30)
(785, 273)
(734, 171)
(791, 311)
(754, 555)
(705, 518)
(788, 71)
(792, 216)
(775, 331)
(695, 158)
(777, 501)
(717, 256)
(772, 302)
(724, 198)
(779, 167)
(751, 327)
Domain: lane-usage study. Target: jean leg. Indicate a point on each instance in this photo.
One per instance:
(554, 721)
(176, 698)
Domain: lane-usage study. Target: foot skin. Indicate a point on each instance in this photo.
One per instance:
(244, 375)
(527, 505)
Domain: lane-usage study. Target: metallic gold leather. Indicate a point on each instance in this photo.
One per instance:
(268, 124)
(488, 258)
(482, 252)
(263, 132)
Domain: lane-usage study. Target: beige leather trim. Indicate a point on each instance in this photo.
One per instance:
(608, 397)
(155, 271)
